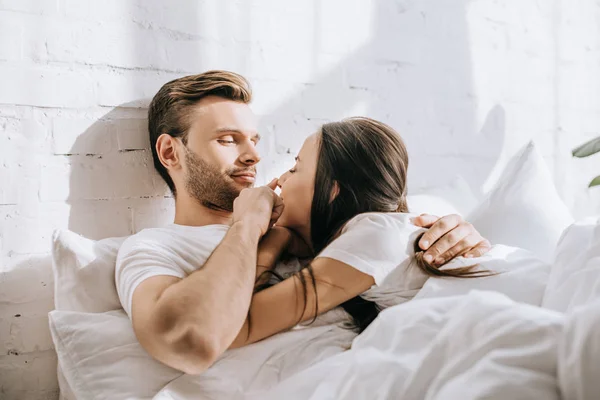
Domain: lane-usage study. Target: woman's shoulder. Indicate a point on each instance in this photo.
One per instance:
(382, 221)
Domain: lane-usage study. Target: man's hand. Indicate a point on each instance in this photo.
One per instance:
(260, 206)
(449, 237)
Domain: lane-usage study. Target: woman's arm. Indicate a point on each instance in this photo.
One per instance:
(284, 305)
(269, 251)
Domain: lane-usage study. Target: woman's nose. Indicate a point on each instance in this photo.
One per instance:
(282, 179)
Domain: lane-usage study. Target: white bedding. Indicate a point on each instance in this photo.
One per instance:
(479, 345)
(88, 341)
(447, 335)
(475, 345)
(445, 341)
(450, 341)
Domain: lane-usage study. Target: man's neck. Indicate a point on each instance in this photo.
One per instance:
(189, 211)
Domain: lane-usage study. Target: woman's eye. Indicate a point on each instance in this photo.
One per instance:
(292, 170)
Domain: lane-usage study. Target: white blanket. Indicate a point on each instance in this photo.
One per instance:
(450, 342)
(455, 339)
(480, 345)
(474, 346)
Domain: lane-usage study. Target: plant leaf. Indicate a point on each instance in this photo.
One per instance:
(595, 182)
(587, 149)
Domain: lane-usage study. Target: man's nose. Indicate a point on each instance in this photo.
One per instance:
(250, 155)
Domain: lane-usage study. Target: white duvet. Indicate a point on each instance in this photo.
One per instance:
(477, 346)
(481, 344)
(457, 339)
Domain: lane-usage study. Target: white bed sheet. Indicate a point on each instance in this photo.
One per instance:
(479, 345)
(449, 342)
(414, 350)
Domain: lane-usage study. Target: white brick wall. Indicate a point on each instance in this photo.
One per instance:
(466, 83)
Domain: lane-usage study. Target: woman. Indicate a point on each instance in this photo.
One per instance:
(345, 199)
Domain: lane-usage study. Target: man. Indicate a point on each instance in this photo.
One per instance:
(203, 137)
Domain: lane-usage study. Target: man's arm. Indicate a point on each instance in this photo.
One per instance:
(188, 323)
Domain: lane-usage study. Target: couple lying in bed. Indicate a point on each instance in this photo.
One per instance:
(210, 281)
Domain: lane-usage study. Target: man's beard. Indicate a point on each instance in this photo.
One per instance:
(209, 186)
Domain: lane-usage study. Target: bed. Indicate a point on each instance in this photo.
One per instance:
(529, 332)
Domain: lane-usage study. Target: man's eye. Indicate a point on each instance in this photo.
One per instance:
(223, 141)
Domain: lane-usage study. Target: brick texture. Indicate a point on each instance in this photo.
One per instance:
(466, 84)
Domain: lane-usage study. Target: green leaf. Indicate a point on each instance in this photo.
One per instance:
(587, 149)
(595, 181)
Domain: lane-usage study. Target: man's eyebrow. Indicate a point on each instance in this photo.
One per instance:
(256, 135)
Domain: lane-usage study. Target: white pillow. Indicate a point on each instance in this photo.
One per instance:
(102, 359)
(454, 198)
(523, 209)
(575, 277)
(84, 272)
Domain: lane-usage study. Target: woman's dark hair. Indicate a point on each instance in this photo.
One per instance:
(368, 162)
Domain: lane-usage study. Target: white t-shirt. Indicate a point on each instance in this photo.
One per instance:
(175, 250)
(381, 245)
(378, 244)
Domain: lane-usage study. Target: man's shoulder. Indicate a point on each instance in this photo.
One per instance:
(172, 238)
(148, 239)
(150, 234)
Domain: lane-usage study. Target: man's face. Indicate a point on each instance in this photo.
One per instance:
(220, 156)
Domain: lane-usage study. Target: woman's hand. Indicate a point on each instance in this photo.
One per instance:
(270, 248)
(449, 237)
(275, 241)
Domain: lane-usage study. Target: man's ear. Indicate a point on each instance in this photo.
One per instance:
(167, 149)
(335, 190)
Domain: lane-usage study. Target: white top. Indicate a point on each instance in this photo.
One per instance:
(378, 244)
(381, 245)
(175, 250)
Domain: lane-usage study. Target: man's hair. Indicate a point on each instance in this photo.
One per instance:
(171, 108)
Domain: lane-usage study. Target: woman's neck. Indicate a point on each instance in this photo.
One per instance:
(304, 234)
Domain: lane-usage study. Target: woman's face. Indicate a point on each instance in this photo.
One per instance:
(297, 187)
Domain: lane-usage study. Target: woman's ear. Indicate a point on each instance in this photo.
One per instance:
(335, 190)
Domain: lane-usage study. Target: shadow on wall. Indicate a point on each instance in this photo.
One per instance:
(414, 74)
(113, 187)
(113, 191)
